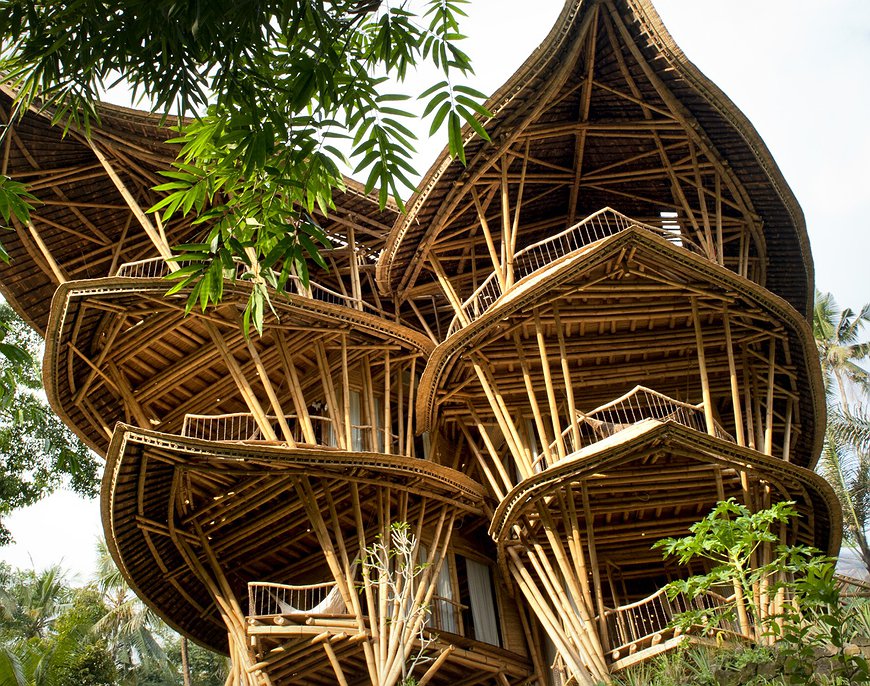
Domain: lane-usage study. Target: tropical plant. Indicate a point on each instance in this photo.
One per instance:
(275, 88)
(789, 606)
(46, 632)
(729, 538)
(31, 602)
(130, 628)
(846, 454)
(392, 563)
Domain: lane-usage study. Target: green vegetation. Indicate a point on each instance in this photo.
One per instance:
(53, 633)
(795, 626)
(845, 461)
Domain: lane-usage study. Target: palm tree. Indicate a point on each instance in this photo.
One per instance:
(845, 457)
(35, 663)
(129, 626)
(34, 602)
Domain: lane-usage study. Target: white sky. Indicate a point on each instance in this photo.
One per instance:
(797, 69)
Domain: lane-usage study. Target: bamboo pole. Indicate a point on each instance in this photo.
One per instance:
(548, 384)
(732, 373)
(702, 368)
(490, 243)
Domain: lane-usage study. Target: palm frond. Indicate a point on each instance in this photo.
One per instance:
(11, 669)
(850, 430)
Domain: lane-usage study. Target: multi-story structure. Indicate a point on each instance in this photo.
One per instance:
(565, 350)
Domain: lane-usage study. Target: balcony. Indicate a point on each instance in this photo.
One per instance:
(158, 268)
(243, 427)
(598, 226)
(268, 600)
(643, 628)
(638, 405)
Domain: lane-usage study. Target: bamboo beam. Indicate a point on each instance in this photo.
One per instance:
(298, 397)
(141, 217)
(732, 373)
(241, 381)
(490, 243)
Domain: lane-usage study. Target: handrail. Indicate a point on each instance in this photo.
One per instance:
(157, 268)
(639, 404)
(641, 620)
(242, 427)
(268, 599)
(602, 224)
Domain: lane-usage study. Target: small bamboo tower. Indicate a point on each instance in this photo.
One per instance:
(565, 350)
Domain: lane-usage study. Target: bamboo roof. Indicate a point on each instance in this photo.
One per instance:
(643, 89)
(677, 488)
(82, 219)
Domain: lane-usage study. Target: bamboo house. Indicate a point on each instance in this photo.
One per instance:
(564, 351)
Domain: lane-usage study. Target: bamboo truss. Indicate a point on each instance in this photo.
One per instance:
(565, 350)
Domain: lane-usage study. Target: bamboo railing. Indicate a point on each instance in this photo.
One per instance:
(157, 268)
(242, 427)
(266, 599)
(631, 626)
(638, 405)
(602, 224)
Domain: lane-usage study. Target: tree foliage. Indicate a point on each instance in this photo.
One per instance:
(282, 93)
(845, 460)
(808, 625)
(39, 453)
(53, 633)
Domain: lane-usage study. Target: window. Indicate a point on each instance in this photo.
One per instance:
(477, 596)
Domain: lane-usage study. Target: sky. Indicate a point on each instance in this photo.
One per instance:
(796, 68)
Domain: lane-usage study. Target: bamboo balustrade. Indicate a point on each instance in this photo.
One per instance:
(601, 224)
(158, 267)
(638, 405)
(266, 599)
(243, 427)
(645, 621)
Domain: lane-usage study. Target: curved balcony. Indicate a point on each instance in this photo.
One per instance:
(267, 600)
(157, 268)
(647, 624)
(244, 427)
(602, 224)
(638, 405)
(289, 603)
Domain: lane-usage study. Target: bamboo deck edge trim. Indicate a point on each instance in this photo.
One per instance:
(447, 479)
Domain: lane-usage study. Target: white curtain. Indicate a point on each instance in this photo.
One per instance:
(446, 611)
(355, 421)
(482, 607)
